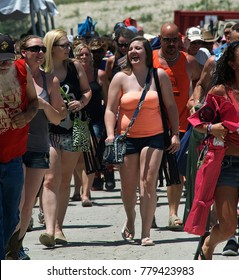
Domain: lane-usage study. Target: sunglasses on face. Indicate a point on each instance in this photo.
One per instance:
(63, 46)
(196, 42)
(36, 49)
(121, 45)
(169, 40)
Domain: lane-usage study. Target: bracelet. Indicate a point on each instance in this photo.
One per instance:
(209, 126)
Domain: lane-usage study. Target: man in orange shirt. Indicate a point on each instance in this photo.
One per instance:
(181, 68)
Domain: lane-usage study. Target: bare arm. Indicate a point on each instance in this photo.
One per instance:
(203, 85)
(194, 68)
(20, 120)
(115, 90)
(56, 109)
(171, 108)
(77, 105)
(104, 82)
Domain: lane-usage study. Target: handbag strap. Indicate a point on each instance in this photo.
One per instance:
(145, 89)
(162, 108)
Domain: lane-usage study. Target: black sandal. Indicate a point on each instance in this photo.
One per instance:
(199, 251)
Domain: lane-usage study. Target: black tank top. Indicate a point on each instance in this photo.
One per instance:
(94, 108)
(71, 87)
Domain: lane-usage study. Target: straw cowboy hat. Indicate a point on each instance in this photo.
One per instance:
(208, 37)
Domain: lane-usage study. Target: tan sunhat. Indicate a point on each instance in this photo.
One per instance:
(208, 37)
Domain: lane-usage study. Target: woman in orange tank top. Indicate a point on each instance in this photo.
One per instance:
(145, 138)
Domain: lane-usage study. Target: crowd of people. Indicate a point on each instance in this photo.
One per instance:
(49, 84)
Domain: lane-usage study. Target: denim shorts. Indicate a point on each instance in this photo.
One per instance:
(62, 142)
(229, 175)
(36, 160)
(135, 145)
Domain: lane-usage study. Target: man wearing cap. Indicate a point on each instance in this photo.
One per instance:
(209, 41)
(181, 69)
(18, 105)
(195, 43)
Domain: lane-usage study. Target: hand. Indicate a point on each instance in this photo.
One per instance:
(110, 139)
(175, 144)
(219, 131)
(75, 106)
(19, 121)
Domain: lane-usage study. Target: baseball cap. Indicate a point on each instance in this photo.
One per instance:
(7, 51)
(194, 34)
(133, 28)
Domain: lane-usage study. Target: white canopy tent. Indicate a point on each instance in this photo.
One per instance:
(18, 9)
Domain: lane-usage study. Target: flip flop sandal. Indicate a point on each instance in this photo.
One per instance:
(147, 242)
(175, 223)
(86, 203)
(126, 234)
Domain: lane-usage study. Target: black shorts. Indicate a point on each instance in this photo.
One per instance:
(135, 145)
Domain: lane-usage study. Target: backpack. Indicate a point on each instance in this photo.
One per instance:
(86, 26)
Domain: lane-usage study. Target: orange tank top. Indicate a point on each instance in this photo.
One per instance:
(181, 85)
(148, 121)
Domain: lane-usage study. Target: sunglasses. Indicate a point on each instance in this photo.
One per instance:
(121, 45)
(63, 46)
(170, 40)
(196, 42)
(36, 49)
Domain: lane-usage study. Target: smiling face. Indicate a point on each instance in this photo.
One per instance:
(136, 52)
(84, 56)
(34, 51)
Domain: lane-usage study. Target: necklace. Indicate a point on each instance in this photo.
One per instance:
(169, 59)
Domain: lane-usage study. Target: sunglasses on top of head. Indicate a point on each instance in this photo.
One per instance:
(36, 49)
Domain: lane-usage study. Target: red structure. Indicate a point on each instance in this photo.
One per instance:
(185, 19)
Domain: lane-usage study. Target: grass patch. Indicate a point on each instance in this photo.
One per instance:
(146, 17)
(132, 8)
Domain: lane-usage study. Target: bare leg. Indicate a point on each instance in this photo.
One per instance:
(87, 180)
(33, 180)
(174, 193)
(50, 191)
(226, 199)
(69, 161)
(150, 160)
(77, 182)
(129, 174)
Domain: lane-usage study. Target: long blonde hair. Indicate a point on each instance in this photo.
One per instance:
(49, 40)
